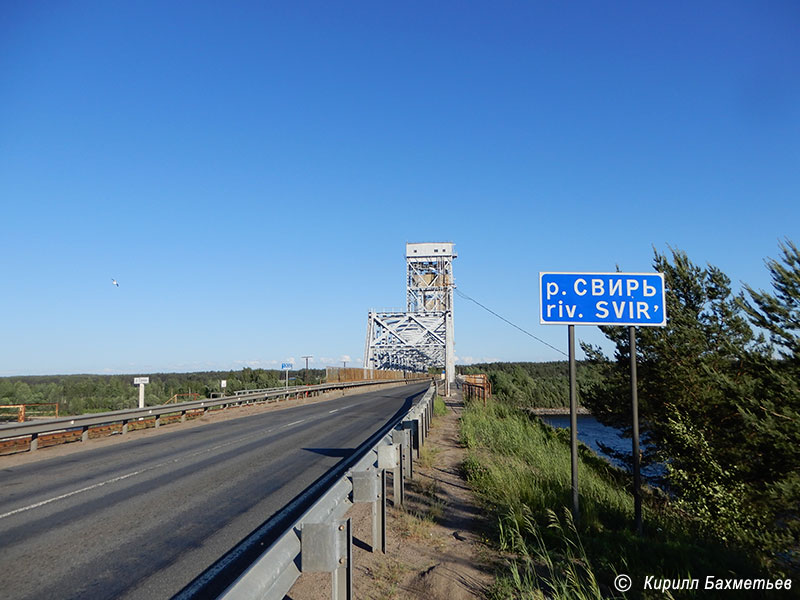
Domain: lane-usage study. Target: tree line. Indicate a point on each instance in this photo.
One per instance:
(78, 394)
(533, 385)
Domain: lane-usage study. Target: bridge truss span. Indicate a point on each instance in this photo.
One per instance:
(406, 341)
(421, 337)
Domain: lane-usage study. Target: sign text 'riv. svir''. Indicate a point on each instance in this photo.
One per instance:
(634, 299)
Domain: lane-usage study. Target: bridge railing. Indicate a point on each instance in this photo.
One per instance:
(320, 539)
(31, 409)
(83, 423)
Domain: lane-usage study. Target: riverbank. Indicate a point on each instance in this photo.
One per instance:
(556, 412)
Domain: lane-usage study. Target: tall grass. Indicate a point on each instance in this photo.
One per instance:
(533, 570)
(439, 407)
(518, 462)
(521, 470)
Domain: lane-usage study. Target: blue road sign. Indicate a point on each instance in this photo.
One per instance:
(289, 366)
(602, 299)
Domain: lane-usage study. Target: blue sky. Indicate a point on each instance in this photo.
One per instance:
(251, 171)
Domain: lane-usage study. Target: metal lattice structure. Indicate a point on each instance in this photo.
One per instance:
(422, 336)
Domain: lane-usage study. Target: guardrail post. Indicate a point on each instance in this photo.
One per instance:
(328, 548)
(34, 442)
(398, 479)
(410, 452)
(389, 459)
(124, 426)
(85, 433)
(342, 578)
(417, 435)
(370, 487)
(381, 512)
(407, 462)
(410, 427)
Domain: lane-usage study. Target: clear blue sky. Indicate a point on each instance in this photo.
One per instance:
(250, 172)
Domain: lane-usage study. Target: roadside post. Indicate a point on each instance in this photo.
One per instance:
(573, 422)
(223, 383)
(141, 382)
(287, 367)
(610, 299)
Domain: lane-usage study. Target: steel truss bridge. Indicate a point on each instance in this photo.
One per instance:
(421, 337)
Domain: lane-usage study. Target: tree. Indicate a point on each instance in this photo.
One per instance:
(771, 411)
(779, 313)
(719, 405)
(689, 421)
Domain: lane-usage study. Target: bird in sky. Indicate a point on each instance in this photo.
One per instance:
(114, 281)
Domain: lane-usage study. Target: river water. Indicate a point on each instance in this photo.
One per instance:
(591, 431)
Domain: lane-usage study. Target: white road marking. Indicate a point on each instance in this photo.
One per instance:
(63, 496)
(128, 475)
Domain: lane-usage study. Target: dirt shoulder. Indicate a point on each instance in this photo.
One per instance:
(434, 549)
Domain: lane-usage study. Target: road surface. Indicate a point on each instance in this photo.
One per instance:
(142, 519)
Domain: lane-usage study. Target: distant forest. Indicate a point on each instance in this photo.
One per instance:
(539, 385)
(535, 385)
(78, 394)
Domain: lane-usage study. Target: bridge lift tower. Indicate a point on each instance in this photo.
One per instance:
(422, 336)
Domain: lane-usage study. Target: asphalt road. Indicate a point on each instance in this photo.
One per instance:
(144, 518)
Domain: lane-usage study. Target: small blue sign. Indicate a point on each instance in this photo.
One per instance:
(636, 299)
(288, 366)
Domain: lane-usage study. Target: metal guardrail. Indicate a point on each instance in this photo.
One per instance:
(320, 540)
(84, 422)
(262, 391)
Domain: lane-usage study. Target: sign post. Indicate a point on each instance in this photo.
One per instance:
(637, 492)
(573, 423)
(287, 367)
(141, 382)
(621, 299)
(223, 383)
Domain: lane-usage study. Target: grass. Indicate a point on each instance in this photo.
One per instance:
(521, 470)
(533, 569)
(429, 507)
(388, 576)
(439, 407)
(428, 455)
(414, 524)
